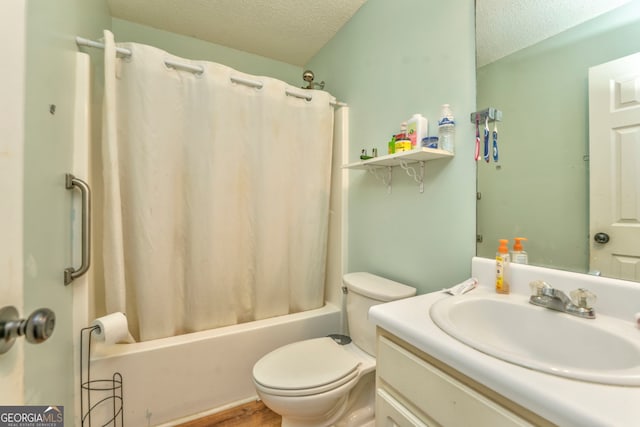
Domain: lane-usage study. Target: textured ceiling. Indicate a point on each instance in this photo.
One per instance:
(293, 31)
(506, 26)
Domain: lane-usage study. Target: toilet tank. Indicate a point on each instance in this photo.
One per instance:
(364, 291)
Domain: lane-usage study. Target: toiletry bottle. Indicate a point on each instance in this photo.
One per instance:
(392, 145)
(446, 129)
(402, 139)
(519, 255)
(502, 268)
(403, 131)
(416, 130)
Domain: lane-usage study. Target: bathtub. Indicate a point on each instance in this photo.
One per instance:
(180, 378)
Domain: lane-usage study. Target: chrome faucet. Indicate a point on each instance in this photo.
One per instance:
(580, 303)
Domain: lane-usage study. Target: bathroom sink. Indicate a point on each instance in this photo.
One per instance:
(601, 350)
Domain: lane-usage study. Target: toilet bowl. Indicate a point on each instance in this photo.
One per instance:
(310, 380)
(321, 382)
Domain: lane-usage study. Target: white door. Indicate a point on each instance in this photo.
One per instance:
(36, 142)
(12, 80)
(614, 156)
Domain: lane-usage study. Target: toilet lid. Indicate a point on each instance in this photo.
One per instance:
(305, 364)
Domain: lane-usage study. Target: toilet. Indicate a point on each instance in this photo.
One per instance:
(321, 381)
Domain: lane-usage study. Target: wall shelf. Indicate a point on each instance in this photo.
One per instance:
(413, 156)
(403, 159)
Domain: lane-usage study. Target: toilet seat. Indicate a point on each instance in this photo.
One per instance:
(305, 368)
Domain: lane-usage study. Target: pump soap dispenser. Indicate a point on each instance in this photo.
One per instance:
(519, 255)
(502, 267)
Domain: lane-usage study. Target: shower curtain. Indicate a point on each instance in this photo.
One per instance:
(216, 194)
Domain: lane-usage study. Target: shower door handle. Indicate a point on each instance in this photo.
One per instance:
(71, 182)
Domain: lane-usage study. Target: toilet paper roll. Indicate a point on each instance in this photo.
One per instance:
(637, 318)
(112, 328)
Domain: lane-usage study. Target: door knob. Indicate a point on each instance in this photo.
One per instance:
(36, 328)
(40, 325)
(601, 237)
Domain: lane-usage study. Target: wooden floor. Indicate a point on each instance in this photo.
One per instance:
(253, 414)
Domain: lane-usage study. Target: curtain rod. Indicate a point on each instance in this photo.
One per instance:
(81, 41)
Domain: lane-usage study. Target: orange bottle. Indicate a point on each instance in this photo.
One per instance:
(502, 267)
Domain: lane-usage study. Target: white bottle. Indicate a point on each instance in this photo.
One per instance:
(519, 255)
(417, 127)
(446, 129)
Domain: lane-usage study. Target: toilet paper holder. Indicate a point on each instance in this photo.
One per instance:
(110, 390)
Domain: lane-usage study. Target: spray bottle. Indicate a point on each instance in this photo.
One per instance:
(519, 255)
(502, 267)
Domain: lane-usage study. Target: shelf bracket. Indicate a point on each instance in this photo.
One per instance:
(384, 176)
(417, 177)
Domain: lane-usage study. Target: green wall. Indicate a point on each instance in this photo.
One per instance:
(189, 47)
(391, 60)
(541, 189)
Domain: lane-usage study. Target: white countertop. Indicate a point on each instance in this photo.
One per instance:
(563, 401)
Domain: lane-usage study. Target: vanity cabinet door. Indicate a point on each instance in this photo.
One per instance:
(428, 390)
(391, 413)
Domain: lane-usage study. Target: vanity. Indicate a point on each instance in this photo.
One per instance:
(426, 377)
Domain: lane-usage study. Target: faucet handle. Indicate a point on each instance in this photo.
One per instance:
(537, 286)
(583, 298)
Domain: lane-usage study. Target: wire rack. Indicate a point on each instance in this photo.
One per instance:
(101, 397)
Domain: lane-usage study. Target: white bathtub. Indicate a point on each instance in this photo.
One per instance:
(176, 379)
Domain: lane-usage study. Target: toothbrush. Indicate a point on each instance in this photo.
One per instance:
(495, 141)
(477, 152)
(486, 139)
